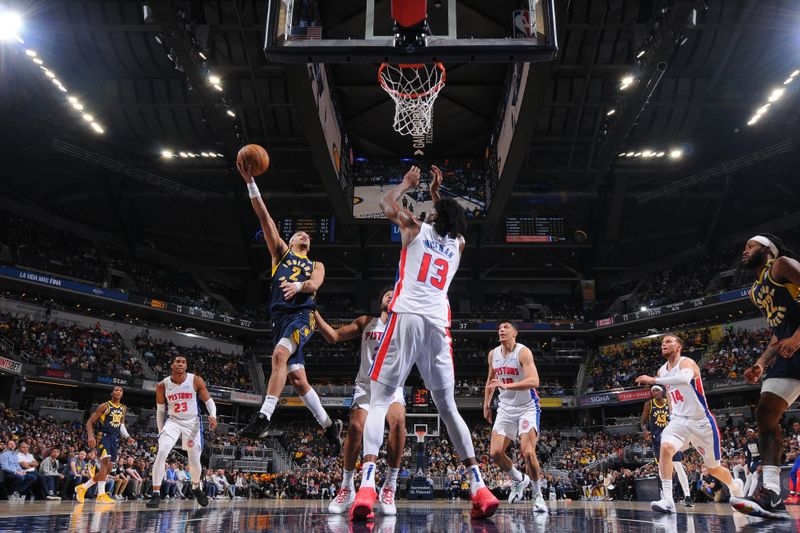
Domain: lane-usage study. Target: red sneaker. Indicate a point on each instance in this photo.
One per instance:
(362, 506)
(794, 499)
(484, 504)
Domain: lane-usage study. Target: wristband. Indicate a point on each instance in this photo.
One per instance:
(252, 189)
(298, 286)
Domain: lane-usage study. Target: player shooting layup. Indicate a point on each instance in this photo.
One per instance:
(417, 333)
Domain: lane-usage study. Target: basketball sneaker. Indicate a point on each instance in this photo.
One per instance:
(484, 504)
(257, 427)
(362, 505)
(793, 499)
(538, 504)
(687, 501)
(764, 504)
(105, 498)
(334, 435)
(80, 493)
(388, 506)
(154, 501)
(343, 500)
(200, 496)
(517, 489)
(663, 506)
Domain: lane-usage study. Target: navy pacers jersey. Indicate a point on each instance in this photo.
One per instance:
(779, 305)
(659, 417)
(112, 419)
(292, 267)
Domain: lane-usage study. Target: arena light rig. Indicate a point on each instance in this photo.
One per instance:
(773, 97)
(74, 102)
(674, 153)
(10, 25)
(184, 154)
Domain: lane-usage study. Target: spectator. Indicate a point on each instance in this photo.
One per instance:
(50, 475)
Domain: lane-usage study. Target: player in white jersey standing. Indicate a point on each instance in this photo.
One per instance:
(691, 423)
(370, 329)
(513, 372)
(176, 399)
(418, 334)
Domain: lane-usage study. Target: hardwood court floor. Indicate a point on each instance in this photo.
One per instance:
(305, 516)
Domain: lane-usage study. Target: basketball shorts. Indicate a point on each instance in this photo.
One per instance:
(701, 434)
(512, 421)
(361, 397)
(414, 340)
(657, 450)
(786, 387)
(298, 328)
(109, 447)
(189, 431)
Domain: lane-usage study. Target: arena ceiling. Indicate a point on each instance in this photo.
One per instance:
(634, 209)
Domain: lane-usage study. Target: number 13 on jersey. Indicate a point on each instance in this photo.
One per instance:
(438, 277)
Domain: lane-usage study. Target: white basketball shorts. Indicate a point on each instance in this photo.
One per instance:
(361, 397)
(512, 421)
(702, 434)
(189, 431)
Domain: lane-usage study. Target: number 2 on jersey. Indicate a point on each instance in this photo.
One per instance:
(181, 407)
(439, 277)
(676, 396)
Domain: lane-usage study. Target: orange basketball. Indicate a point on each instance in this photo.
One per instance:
(255, 156)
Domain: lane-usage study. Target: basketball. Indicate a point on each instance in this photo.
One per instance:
(255, 156)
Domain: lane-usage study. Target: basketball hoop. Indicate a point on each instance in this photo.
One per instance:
(414, 88)
(420, 436)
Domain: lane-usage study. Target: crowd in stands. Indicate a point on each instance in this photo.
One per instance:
(736, 352)
(617, 365)
(216, 367)
(69, 346)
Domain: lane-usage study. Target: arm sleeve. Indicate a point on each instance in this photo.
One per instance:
(161, 414)
(684, 377)
(212, 407)
(124, 431)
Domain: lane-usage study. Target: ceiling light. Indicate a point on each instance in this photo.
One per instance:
(753, 120)
(660, 154)
(214, 79)
(621, 154)
(677, 154)
(183, 154)
(763, 109)
(232, 114)
(166, 154)
(218, 87)
(77, 105)
(38, 61)
(31, 53)
(204, 154)
(212, 154)
(611, 112)
(629, 154)
(648, 153)
(637, 154)
(627, 80)
(62, 88)
(201, 54)
(643, 308)
(788, 80)
(72, 100)
(795, 73)
(219, 154)
(192, 154)
(87, 117)
(49, 74)
(640, 54)
(776, 95)
(10, 25)
(96, 127)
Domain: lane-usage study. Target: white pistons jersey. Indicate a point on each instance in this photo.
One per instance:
(181, 399)
(370, 340)
(687, 400)
(427, 266)
(508, 370)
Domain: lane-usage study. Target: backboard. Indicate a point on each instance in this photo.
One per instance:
(342, 31)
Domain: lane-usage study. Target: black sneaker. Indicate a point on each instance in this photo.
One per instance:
(334, 435)
(765, 504)
(687, 501)
(200, 496)
(154, 501)
(257, 427)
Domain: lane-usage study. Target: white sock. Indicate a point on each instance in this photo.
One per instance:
(157, 491)
(682, 479)
(315, 406)
(666, 490)
(88, 484)
(101, 487)
(477, 479)
(368, 475)
(268, 407)
(772, 478)
(536, 486)
(515, 474)
(391, 478)
(347, 479)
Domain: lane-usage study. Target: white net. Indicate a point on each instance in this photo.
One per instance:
(414, 89)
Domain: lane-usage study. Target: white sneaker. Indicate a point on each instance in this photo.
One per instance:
(517, 489)
(52, 497)
(663, 506)
(538, 504)
(386, 498)
(342, 502)
(739, 491)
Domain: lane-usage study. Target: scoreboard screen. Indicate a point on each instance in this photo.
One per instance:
(321, 229)
(420, 398)
(535, 229)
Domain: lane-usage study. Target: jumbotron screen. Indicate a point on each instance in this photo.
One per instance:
(535, 229)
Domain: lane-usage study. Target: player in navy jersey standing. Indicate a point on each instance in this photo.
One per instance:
(775, 293)
(295, 281)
